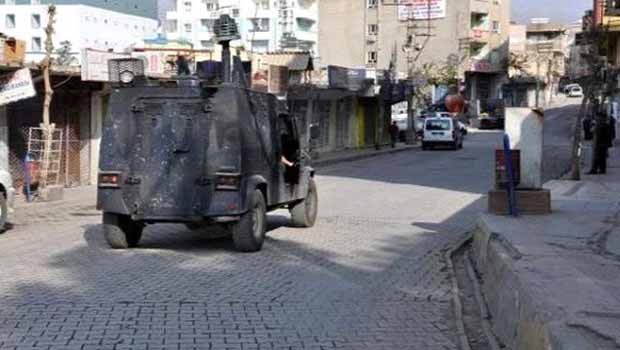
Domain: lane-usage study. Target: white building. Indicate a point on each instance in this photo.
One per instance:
(264, 25)
(83, 26)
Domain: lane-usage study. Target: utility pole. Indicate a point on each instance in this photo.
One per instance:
(411, 46)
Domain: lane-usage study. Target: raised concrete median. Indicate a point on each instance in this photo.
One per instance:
(553, 282)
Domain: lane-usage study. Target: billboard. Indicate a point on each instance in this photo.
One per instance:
(16, 86)
(421, 9)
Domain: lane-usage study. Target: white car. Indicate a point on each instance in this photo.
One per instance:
(461, 125)
(568, 87)
(441, 132)
(575, 91)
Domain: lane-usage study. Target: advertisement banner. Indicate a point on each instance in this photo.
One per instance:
(157, 64)
(95, 64)
(421, 9)
(16, 86)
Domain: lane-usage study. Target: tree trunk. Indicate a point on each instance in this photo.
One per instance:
(49, 92)
(576, 148)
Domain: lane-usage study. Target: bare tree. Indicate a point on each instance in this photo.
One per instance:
(593, 83)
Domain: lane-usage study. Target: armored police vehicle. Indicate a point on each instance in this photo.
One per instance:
(201, 152)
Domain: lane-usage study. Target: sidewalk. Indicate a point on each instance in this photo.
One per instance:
(329, 158)
(553, 282)
(81, 200)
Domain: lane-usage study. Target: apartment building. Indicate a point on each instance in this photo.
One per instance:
(85, 24)
(265, 25)
(471, 35)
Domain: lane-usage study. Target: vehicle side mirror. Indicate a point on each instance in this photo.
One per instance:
(315, 133)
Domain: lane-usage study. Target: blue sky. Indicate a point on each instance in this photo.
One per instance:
(560, 11)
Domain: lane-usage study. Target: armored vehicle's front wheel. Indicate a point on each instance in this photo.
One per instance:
(304, 213)
(249, 232)
(120, 231)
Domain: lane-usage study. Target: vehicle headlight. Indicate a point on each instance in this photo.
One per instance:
(126, 77)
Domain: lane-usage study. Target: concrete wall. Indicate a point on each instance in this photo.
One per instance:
(343, 38)
(83, 26)
(142, 8)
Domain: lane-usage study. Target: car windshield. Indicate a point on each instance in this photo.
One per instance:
(438, 124)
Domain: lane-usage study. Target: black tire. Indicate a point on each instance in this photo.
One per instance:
(249, 232)
(120, 231)
(304, 213)
(3, 213)
(424, 146)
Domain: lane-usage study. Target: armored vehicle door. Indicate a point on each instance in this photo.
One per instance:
(290, 150)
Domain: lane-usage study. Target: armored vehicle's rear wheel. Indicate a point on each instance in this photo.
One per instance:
(120, 231)
(249, 232)
(304, 213)
(3, 213)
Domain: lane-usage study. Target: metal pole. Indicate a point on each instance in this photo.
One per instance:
(512, 200)
(537, 80)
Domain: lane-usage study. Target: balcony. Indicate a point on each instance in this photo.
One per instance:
(480, 35)
(545, 46)
(483, 66)
(612, 23)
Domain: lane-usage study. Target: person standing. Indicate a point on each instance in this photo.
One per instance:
(394, 131)
(602, 142)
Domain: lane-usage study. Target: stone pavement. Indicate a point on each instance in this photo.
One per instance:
(370, 275)
(552, 282)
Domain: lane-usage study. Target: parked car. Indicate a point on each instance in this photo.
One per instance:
(440, 131)
(7, 195)
(575, 91)
(461, 125)
(568, 87)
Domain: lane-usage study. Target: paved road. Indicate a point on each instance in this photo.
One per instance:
(370, 275)
(559, 126)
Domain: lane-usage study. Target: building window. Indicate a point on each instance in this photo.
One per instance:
(372, 4)
(372, 57)
(207, 25)
(35, 21)
(207, 44)
(305, 25)
(235, 13)
(260, 45)
(10, 21)
(264, 4)
(187, 5)
(260, 24)
(209, 5)
(188, 27)
(373, 29)
(496, 26)
(36, 45)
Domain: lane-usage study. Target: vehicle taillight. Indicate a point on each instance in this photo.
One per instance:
(227, 182)
(109, 179)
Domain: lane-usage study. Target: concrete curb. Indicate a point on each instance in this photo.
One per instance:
(456, 300)
(350, 158)
(485, 316)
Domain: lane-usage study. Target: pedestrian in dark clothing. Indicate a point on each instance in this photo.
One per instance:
(182, 66)
(394, 131)
(602, 142)
(587, 129)
(612, 131)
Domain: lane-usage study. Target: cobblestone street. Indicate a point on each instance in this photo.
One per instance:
(370, 275)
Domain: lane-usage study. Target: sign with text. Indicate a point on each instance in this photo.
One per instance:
(16, 86)
(421, 9)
